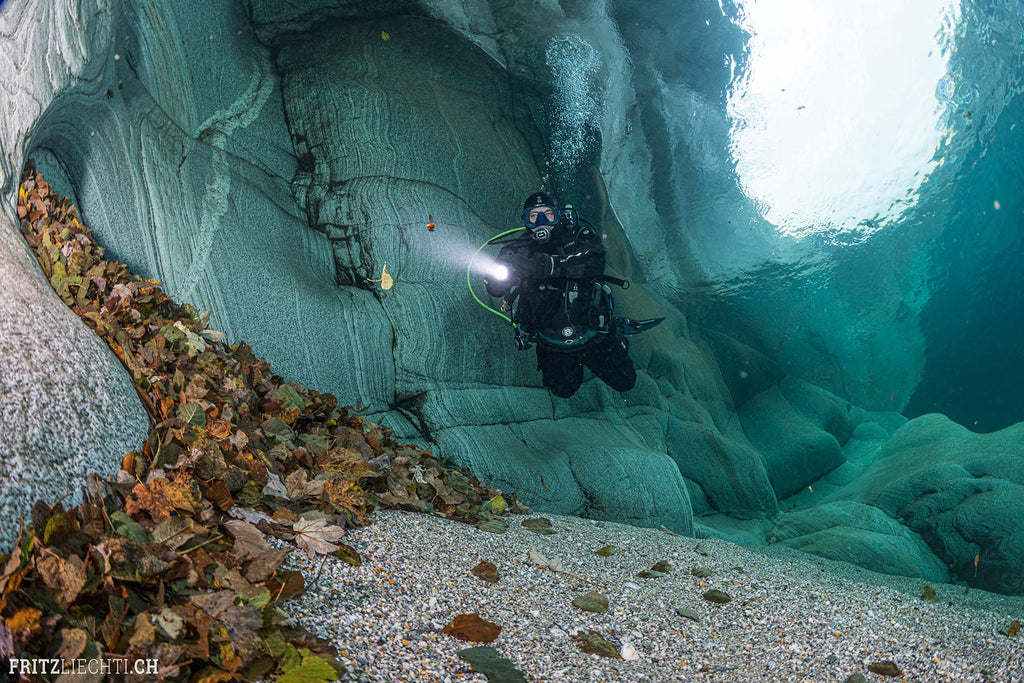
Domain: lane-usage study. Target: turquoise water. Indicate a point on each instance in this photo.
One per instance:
(822, 199)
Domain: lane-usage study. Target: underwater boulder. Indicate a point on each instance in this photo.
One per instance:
(863, 535)
(575, 466)
(796, 451)
(823, 408)
(731, 474)
(962, 492)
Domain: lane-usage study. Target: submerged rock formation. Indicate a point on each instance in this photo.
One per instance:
(265, 159)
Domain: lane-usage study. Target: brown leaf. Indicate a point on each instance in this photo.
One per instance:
(159, 499)
(174, 532)
(219, 429)
(67, 577)
(299, 486)
(486, 571)
(346, 495)
(348, 463)
(315, 536)
(262, 566)
(215, 602)
(594, 643)
(73, 642)
(218, 493)
(249, 541)
(472, 628)
(24, 622)
(286, 583)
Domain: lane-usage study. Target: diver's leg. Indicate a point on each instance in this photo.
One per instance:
(562, 372)
(610, 361)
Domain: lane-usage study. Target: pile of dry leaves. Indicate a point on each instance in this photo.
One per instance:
(169, 558)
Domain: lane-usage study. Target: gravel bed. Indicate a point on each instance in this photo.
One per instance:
(792, 617)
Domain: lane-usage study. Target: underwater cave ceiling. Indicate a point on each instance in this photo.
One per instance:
(263, 159)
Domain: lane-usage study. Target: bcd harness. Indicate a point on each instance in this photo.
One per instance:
(570, 341)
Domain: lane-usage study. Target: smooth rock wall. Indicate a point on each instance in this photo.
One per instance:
(67, 407)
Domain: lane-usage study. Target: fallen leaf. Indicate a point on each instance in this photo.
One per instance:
(159, 499)
(348, 555)
(594, 643)
(688, 613)
(591, 602)
(717, 596)
(1013, 629)
(486, 571)
(487, 661)
(249, 541)
(472, 628)
(885, 668)
(316, 536)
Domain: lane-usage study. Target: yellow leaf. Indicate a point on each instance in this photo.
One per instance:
(385, 279)
(384, 35)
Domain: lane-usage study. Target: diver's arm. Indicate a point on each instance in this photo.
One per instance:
(495, 287)
(586, 260)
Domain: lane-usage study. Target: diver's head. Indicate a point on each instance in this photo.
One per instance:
(540, 215)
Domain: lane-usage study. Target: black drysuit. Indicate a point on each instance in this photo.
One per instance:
(567, 312)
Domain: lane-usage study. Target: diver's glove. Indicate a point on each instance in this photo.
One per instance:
(537, 266)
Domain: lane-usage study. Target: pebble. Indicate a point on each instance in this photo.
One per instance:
(793, 616)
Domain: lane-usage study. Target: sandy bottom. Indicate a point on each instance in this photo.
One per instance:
(791, 617)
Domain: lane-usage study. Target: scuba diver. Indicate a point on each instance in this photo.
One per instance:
(552, 276)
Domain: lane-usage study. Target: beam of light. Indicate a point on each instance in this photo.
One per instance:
(836, 119)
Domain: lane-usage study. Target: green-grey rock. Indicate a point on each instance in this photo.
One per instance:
(856, 678)
(494, 526)
(538, 525)
(701, 572)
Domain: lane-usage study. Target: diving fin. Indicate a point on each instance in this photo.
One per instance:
(630, 326)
